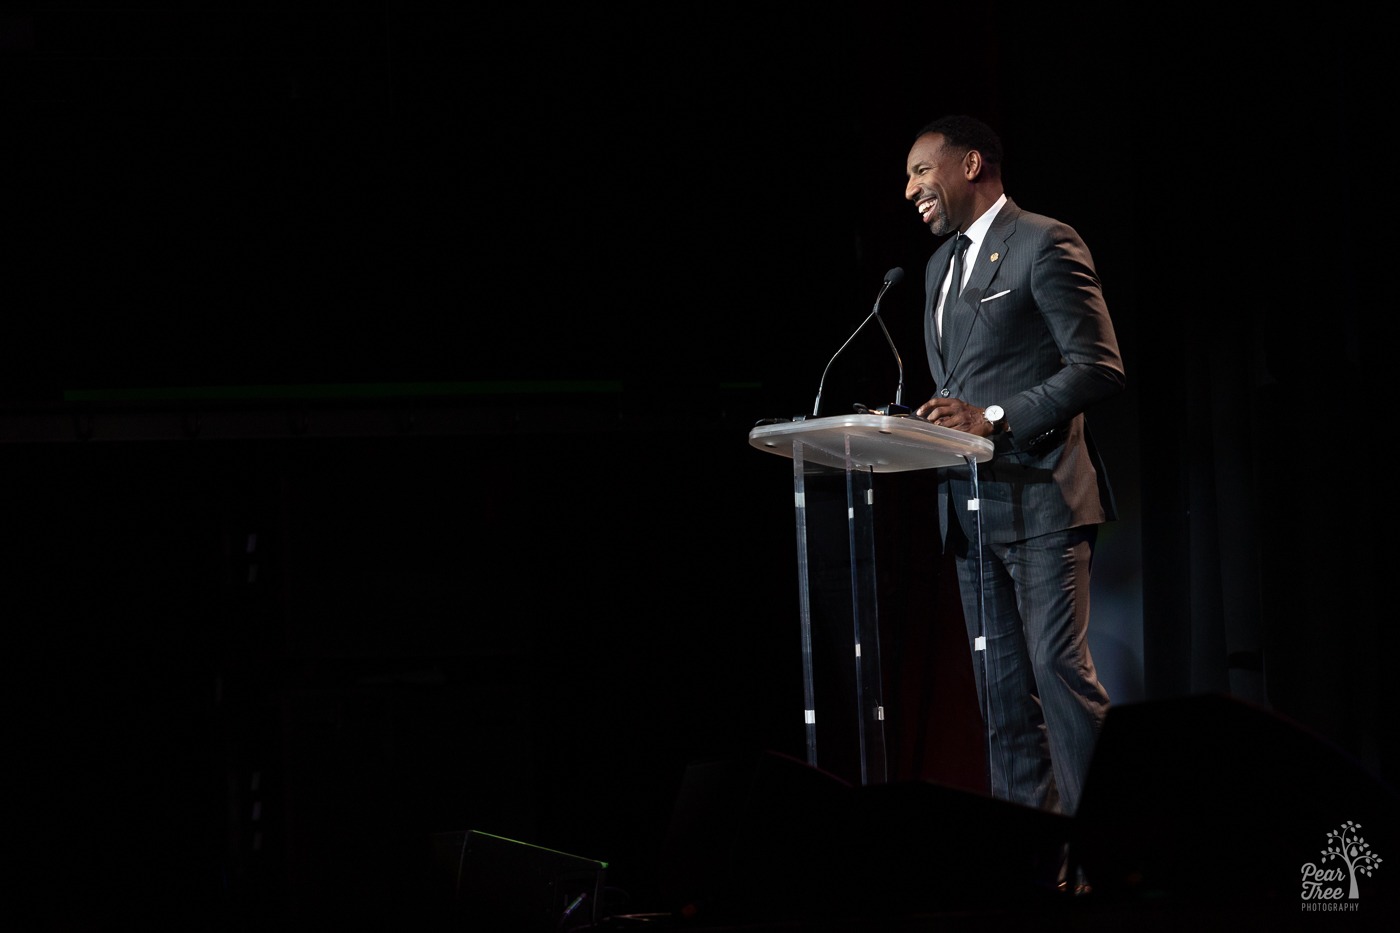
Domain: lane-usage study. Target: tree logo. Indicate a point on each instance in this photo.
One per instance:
(1331, 885)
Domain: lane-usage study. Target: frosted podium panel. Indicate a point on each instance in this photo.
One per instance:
(879, 443)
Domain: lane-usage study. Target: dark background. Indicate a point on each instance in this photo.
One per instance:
(377, 383)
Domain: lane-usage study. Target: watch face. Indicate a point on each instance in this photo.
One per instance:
(994, 413)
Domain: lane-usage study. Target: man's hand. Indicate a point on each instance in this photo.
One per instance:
(956, 414)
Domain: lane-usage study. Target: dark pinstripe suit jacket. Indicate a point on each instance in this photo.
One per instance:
(1031, 332)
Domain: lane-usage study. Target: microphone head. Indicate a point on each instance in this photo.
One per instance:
(894, 275)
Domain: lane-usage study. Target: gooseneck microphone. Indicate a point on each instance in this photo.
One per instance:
(892, 277)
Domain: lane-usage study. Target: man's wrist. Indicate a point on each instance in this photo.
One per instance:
(995, 416)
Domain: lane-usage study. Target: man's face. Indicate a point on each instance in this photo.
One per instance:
(936, 181)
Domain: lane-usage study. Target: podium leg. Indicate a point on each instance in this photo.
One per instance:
(804, 579)
(865, 614)
(861, 750)
(979, 644)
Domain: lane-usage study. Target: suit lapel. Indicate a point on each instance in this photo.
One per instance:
(937, 268)
(990, 253)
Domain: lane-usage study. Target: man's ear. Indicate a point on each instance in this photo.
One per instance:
(972, 164)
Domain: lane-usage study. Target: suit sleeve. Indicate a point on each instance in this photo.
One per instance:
(1069, 296)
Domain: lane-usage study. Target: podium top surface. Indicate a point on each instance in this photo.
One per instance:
(880, 443)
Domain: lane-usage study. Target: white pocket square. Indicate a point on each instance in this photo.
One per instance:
(1005, 291)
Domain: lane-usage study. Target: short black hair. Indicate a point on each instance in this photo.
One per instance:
(965, 132)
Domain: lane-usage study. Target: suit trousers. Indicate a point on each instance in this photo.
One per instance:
(1045, 706)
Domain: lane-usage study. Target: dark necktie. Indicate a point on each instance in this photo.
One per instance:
(954, 284)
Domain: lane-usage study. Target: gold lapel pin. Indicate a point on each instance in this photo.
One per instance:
(995, 256)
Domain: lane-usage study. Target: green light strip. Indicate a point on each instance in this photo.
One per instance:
(343, 390)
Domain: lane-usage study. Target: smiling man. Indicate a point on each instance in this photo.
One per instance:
(1020, 344)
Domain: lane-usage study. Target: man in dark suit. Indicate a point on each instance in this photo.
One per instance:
(1017, 355)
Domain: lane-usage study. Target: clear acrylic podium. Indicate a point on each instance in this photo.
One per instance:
(854, 447)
